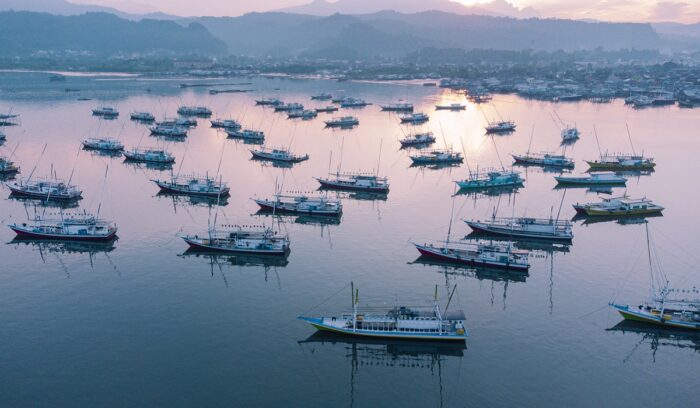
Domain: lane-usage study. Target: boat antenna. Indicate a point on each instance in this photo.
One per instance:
(179, 168)
(330, 160)
(342, 147)
(37, 163)
(449, 300)
(444, 139)
(104, 183)
(532, 133)
(497, 154)
(629, 136)
(379, 160)
(561, 203)
(449, 228)
(651, 268)
(597, 142)
(464, 152)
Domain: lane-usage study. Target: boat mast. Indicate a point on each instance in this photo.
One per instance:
(37, 163)
(629, 136)
(531, 136)
(379, 160)
(597, 142)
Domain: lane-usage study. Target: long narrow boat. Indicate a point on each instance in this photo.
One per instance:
(477, 254)
(418, 139)
(355, 182)
(593, 179)
(506, 126)
(194, 185)
(399, 322)
(525, 227)
(301, 204)
(544, 159)
(103, 144)
(240, 240)
(619, 206)
(45, 189)
(491, 179)
(436, 157)
(277, 154)
(150, 155)
(621, 161)
(76, 227)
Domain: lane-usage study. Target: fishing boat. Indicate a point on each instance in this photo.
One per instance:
(71, 227)
(354, 103)
(355, 182)
(418, 139)
(544, 159)
(494, 255)
(398, 107)
(288, 107)
(500, 127)
(303, 114)
(414, 118)
(621, 161)
(246, 134)
(525, 227)
(592, 179)
(7, 166)
(169, 130)
(142, 116)
(619, 206)
(322, 97)
(480, 97)
(110, 145)
(105, 111)
(488, 179)
(225, 124)
(301, 204)
(345, 121)
(45, 189)
(201, 111)
(193, 185)
(327, 109)
(149, 155)
(268, 102)
(240, 240)
(437, 156)
(278, 154)
(666, 306)
(569, 134)
(399, 322)
(452, 107)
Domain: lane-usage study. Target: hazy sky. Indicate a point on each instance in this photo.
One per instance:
(687, 11)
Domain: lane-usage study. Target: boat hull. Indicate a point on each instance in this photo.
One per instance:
(29, 194)
(327, 184)
(490, 230)
(268, 207)
(433, 253)
(318, 324)
(474, 186)
(165, 188)
(612, 166)
(26, 234)
(665, 320)
(618, 213)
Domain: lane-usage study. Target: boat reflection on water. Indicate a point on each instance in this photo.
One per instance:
(434, 166)
(478, 272)
(433, 357)
(356, 195)
(63, 204)
(304, 219)
(114, 154)
(193, 200)
(149, 165)
(618, 219)
(528, 244)
(217, 258)
(538, 168)
(487, 192)
(66, 247)
(657, 337)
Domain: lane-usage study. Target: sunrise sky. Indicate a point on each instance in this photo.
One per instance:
(685, 11)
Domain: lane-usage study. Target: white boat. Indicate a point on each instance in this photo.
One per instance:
(452, 106)
(505, 126)
(592, 179)
(303, 114)
(278, 154)
(246, 134)
(345, 121)
(499, 255)
(622, 161)
(418, 139)
(399, 322)
(569, 134)
(437, 156)
(619, 206)
(525, 227)
(194, 111)
(7, 166)
(225, 124)
(168, 130)
(414, 118)
(105, 111)
(185, 122)
(142, 116)
(301, 204)
(193, 185)
(666, 307)
(111, 145)
(353, 103)
(355, 182)
(491, 179)
(544, 159)
(45, 189)
(149, 155)
(398, 107)
(71, 227)
(240, 240)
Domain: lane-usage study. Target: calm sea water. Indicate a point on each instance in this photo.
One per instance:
(141, 323)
